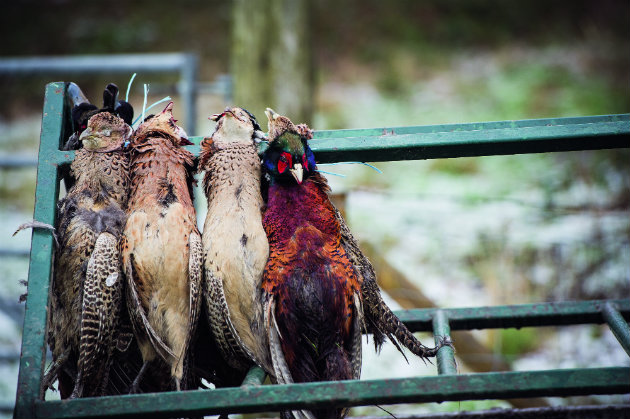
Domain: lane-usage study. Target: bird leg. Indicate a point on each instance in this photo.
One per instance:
(135, 386)
(51, 375)
(78, 387)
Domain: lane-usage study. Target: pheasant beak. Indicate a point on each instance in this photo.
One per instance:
(271, 114)
(86, 136)
(297, 172)
(86, 133)
(215, 117)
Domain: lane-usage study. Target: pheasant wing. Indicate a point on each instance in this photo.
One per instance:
(139, 317)
(225, 334)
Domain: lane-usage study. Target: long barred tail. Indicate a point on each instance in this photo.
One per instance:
(385, 321)
(102, 297)
(380, 320)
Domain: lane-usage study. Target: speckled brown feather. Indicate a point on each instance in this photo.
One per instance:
(235, 243)
(161, 244)
(85, 305)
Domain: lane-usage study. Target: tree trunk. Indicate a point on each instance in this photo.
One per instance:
(271, 62)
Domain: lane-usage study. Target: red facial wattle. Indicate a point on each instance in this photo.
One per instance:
(284, 162)
(304, 161)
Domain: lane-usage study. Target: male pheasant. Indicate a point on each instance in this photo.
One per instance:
(320, 290)
(313, 310)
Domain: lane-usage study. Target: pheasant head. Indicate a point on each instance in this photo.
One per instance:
(237, 125)
(288, 159)
(162, 125)
(83, 110)
(105, 132)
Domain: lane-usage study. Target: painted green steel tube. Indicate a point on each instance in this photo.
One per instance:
(617, 324)
(316, 395)
(519, 315)
(40, 269)
(255, 377)
(462, 140)
(446, 363)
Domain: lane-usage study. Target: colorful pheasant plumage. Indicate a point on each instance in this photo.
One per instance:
(86, 294)
(162, 251)
(234, 241)
(313, 313)
(320, 289)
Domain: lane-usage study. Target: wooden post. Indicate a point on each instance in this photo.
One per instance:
(272, 62)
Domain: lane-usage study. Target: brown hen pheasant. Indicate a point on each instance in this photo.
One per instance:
(86, 294)
(234, 241)
(162, 252)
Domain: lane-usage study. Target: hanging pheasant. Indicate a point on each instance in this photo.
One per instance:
(234, 241)
(313, 310)
(315, 284)
(86, 294)
(162, 251)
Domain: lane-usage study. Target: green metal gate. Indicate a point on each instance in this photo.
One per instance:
(387, 144)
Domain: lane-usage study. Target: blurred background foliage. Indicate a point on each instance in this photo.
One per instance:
(463, 232)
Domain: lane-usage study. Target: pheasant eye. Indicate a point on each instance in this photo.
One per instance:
(304, 161)
(284, 162)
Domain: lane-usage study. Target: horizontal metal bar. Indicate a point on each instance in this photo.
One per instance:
(346, 393)
(116, 63)
(522, 315)
(12, 308)
(20, 253)
(460, 140)
(6, 357)
(548, 135)
(470, 126)
(17, 162)
(7, 407)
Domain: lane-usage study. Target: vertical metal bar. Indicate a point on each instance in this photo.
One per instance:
(255, 377)
(188, 90)
(33, 338)
(618, 325)
(445, 357)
